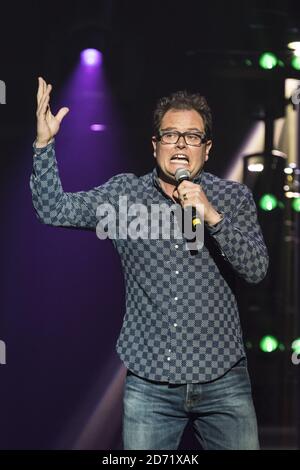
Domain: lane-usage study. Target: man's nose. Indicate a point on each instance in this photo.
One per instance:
(181, 142)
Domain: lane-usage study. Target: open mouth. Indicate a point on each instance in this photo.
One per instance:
(180, 158)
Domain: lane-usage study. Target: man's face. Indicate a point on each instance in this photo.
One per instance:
(169, 157)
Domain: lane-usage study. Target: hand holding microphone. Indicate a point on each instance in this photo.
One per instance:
(181, 175)
(191, 194)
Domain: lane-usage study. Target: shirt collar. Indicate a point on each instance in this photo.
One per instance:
(156, 182)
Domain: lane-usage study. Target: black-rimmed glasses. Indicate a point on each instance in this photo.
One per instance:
(190, 138)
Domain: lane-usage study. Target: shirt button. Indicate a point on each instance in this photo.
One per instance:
(175, 298)
(168, 358)
(169, 350)
(175, 324)
(177, 272)
(176, 246)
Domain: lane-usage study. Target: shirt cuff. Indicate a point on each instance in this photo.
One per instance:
(41, 150)
(227, 236)
(43, 159)
(212, 229)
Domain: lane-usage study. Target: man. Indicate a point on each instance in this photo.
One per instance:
(181, 339)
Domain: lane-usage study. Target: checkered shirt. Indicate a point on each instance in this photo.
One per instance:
(181, 323)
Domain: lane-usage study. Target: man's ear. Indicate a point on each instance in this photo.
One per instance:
(208, 146)
(154, 144)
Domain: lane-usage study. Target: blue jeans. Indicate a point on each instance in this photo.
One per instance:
(221, 412)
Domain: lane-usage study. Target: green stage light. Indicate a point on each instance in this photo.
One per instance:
(268, 202)
(268, 60)
(268, 344)
(296, 204)
(295, 62)
(296, 345)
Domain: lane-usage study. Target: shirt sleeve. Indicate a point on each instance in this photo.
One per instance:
(55, 207)
(240, 240)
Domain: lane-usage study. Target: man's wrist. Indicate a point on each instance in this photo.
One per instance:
(214, 219)
(41, 144)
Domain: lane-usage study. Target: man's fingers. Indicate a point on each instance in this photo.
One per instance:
(190, 192)
(43, 89)
(43, 99)
(40, 90)
(188, 196)
(42, 103)
(43, 106)
(48, 112)
(61, 114)
(175, 194)
(186, 186)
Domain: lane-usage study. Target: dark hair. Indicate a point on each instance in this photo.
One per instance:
(183, 100)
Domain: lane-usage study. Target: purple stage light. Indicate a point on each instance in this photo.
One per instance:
(91, 57)
(98, 127)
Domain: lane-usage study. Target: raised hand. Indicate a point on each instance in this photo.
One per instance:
(47, 124)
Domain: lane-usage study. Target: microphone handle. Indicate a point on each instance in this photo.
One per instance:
(195, 218)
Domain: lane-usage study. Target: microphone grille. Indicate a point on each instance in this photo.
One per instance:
(182, 174)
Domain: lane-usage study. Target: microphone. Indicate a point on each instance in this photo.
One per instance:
(182, 174)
